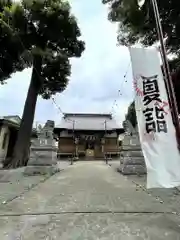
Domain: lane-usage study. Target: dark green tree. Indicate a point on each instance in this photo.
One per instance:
(137, 25)
(10, 49)
(131, 114)
(47, 37)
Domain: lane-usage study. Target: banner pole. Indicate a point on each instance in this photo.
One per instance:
(168, 79)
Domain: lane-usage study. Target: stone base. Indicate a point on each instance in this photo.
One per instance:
(133, 161)
(131, 148)
(131, 165)
(42, 162)
(131, 153)
(40, 170)
(2, 159)
(133, 170)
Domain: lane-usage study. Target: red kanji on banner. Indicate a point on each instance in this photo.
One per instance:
(162, 106)
(138, 91)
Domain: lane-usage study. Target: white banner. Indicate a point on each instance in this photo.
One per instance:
(156, 130)
(141, 3)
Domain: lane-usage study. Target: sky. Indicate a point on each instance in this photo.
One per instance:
(96, 77)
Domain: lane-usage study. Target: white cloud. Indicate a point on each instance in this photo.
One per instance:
(96, 76)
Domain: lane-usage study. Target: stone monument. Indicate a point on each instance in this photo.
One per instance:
(43, 152)
(132, 159)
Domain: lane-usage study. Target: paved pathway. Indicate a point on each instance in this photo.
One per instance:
(169, 197)
(88, 200)
(13, 183)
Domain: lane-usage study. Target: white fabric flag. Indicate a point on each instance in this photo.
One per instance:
(156, 129)
(141, 3)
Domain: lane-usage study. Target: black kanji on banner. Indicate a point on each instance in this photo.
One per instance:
(157, 124)
(150, 123)
(161, 123)
(154, 114)
(150, 89)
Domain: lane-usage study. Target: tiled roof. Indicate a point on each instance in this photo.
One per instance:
(13, 118)
(88, 122)
(104, 115)
(13, 121)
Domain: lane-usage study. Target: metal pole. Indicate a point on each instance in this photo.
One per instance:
(166, 85)
(168, 79)
(163, 54)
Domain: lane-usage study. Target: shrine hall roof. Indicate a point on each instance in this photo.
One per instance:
(88, 121)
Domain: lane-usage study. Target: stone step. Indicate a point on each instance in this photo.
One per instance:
(40, 170)
(133, 154)
(131, 148)
(133, 161)
(42, 162)
(132, 170)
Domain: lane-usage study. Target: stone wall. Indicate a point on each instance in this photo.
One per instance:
(3, 151)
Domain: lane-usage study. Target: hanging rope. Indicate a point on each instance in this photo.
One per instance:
(120, 91)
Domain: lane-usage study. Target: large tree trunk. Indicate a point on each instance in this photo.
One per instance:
(21, 149)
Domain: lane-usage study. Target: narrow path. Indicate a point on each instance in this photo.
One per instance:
(88, 200)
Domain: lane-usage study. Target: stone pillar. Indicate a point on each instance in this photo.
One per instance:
(132, 159)
(43, 157)
(4, 133)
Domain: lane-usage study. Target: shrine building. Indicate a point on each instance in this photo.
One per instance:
(87, 136)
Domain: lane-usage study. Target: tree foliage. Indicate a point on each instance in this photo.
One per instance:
(137, 25)
(44, 35)
(131, 114)
(42, 28)
(10, 48)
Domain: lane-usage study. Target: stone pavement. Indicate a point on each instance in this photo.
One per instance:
(13, 183)
(88, 200)
(170, 197)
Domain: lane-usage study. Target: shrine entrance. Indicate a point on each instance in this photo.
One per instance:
(87, 136)
(90, 147)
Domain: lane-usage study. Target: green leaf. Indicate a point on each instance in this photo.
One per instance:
(39, 27)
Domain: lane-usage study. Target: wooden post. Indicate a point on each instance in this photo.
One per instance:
(72, 158)
(102, 145)
(76, 143)
(105, 126)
